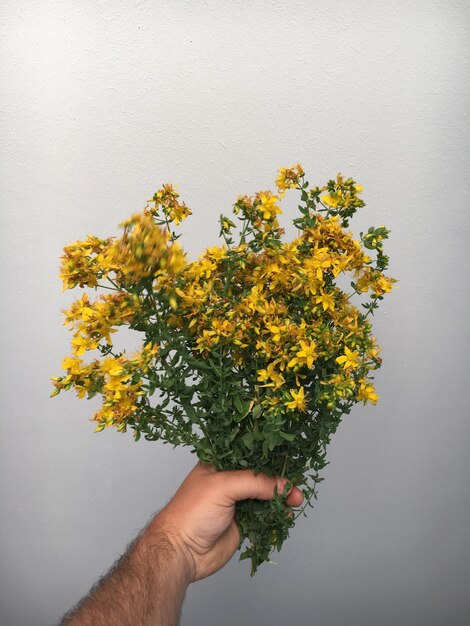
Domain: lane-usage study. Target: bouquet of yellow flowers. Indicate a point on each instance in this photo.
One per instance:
(251, 354)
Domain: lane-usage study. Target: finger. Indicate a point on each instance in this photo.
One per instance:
(295, 497)
(243, 484)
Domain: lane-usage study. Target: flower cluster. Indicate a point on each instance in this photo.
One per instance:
(93, 321)
(118, 379)
(82, 262)
(166, 203)
(288, 178)
(143, 251)
(252, 353)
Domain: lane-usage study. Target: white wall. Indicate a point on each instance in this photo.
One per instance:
(101, 103)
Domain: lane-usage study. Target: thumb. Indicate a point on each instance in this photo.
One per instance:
(243, 484)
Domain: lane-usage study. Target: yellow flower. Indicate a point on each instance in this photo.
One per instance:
(275, 332)
(216, 253)
(96, 319)
(298, 401)
(80, 376)
(349, 358)
(366, 392)
(222, 328)
(305, 356)
(326, 300)
(384, 284)
(320, 261)
(144, 250)
(268, 205)
(270, 374)
(81, 344)
(289, 177)
(343, 194)
(207, 341)
(373, 350)
(81, 263)
(167, 198)
(74, 365)
(332, 199)
(203, 267)
(113, 366)
(179, 213)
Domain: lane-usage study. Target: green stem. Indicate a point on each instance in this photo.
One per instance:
(242, 236)
(113, 283)
(106, 287)
(284, 467)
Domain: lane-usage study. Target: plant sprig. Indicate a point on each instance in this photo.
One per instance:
(249, 355)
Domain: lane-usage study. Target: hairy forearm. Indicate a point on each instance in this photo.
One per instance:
(145, 587)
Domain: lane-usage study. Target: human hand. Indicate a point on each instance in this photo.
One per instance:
(199, 518)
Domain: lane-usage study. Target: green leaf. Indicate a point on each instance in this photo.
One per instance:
(189, 410)
(248, 441)
(257, 410)
(265, 448)
(237, 401)
(242, 407)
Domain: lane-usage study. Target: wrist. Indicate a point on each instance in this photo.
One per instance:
(161, 541)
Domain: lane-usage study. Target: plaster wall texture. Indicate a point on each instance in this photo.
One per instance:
(101, 103)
